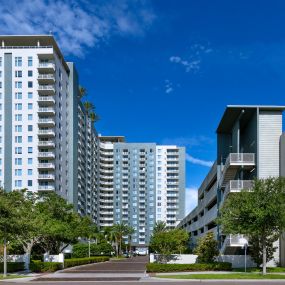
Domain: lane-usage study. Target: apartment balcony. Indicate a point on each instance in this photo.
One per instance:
(237, 186)
(46, 100)
(46, 89)
(48, 155)
(49, 177)
(46, 67)
(46, 144)
(46, 78)
(233, 162)
(46, 111)
(46, 122)
(46, 188)
(46, 165)
(47, 133)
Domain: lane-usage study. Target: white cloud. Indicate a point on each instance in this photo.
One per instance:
(168, 86)
(77, 25)
(188, 141)
(198, 161)
(191, 199)
(189, 65)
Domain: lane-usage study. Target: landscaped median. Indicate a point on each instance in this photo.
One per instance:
(39, 266)
(215, 266)
(220, 276)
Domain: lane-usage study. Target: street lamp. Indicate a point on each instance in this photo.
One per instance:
(244, 243)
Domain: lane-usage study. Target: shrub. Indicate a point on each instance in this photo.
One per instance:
(215, 266)
(81, 250)
(13, 266)
(81, 261)
(39, 266)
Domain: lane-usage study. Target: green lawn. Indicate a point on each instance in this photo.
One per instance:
(11, 276)
(224, 276)
(269, 269)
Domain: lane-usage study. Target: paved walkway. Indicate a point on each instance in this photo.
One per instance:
(130, 269)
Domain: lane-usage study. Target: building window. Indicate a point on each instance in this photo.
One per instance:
(30, 95)
(30, 117)
(0, 74)
(18, 61)
(18, 73)
(30, 73)
(0, 84)
(18, 172)
(18, 106)
(30, 161)
(18, 150)
(0, 61)
(30, 171)
(18, 117)
(30, 61)
(18, 139)
(30, 182)
(18, 95)
(30, 150)
(18, 183)
(30, 139)
(18, 128)
(18, 84)
(30, 128)
(18, 161)
(30, 106)
(30, 84)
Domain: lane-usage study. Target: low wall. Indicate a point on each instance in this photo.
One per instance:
(175, 258)
(237, 261)
(54, 258)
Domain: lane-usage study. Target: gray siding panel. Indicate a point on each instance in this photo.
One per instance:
(270, 129)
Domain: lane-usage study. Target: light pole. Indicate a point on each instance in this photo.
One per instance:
(244, 242)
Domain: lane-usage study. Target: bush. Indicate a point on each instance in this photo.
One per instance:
(81, 261)
(13, 266)
(215, 266)
(81, 250)
(39, 266)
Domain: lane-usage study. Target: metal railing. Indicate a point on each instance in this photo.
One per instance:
(237, 186)
(46, 76)
(241, 158)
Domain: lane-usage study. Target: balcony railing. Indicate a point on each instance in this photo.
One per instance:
(47, 132)
(46, 188)
(46, 176)
(46, 99)
(47, 110)
(240, 158)
(46, 77)
(46, 154)
(46, 165)
(46, 144)
(47, 121)
(46, 65)
(237, 186)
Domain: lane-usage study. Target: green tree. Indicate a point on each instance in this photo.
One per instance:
(82, 92)
(159, 226)
(119, 231)
(169, 242)
(259, 212)
(207, 248)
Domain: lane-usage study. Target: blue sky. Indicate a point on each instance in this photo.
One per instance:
(163, 71)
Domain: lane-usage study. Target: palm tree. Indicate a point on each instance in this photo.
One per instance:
(130, 232)
(81, 91)
(119, 230)
(94, 117)
(159, 227)
(88, 106)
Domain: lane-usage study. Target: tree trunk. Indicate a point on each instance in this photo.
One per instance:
(264, 256)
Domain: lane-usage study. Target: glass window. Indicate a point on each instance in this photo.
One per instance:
(18, 183)
(18, 106)
(30, 182)
(18, 73)
(30, 139)
(30, 95)
(30, 150)
(18, 61)
(18, 95)
(30, 106)
(30, 61)
(30, 73)
(30, 128)
(18, 161)
(30, 171)
(18, 84)
(30, 117)
(18, 117)
(30, 84)
(18, 172)
(18, 139)
(0, 61)
(18, 128)
(18, 150)
(0, 84)
(0, 73)
(30, 161)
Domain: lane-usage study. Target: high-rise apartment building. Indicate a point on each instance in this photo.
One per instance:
(250, 144)
(47, 140)
(140, 183)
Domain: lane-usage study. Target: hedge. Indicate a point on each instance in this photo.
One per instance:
(215, 266)
(39, 266)
(13, 266)
(81, 250)
(81, 261)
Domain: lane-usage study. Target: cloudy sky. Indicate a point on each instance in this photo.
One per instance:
(163, 71)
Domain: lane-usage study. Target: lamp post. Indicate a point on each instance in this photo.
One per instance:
(244, 242)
